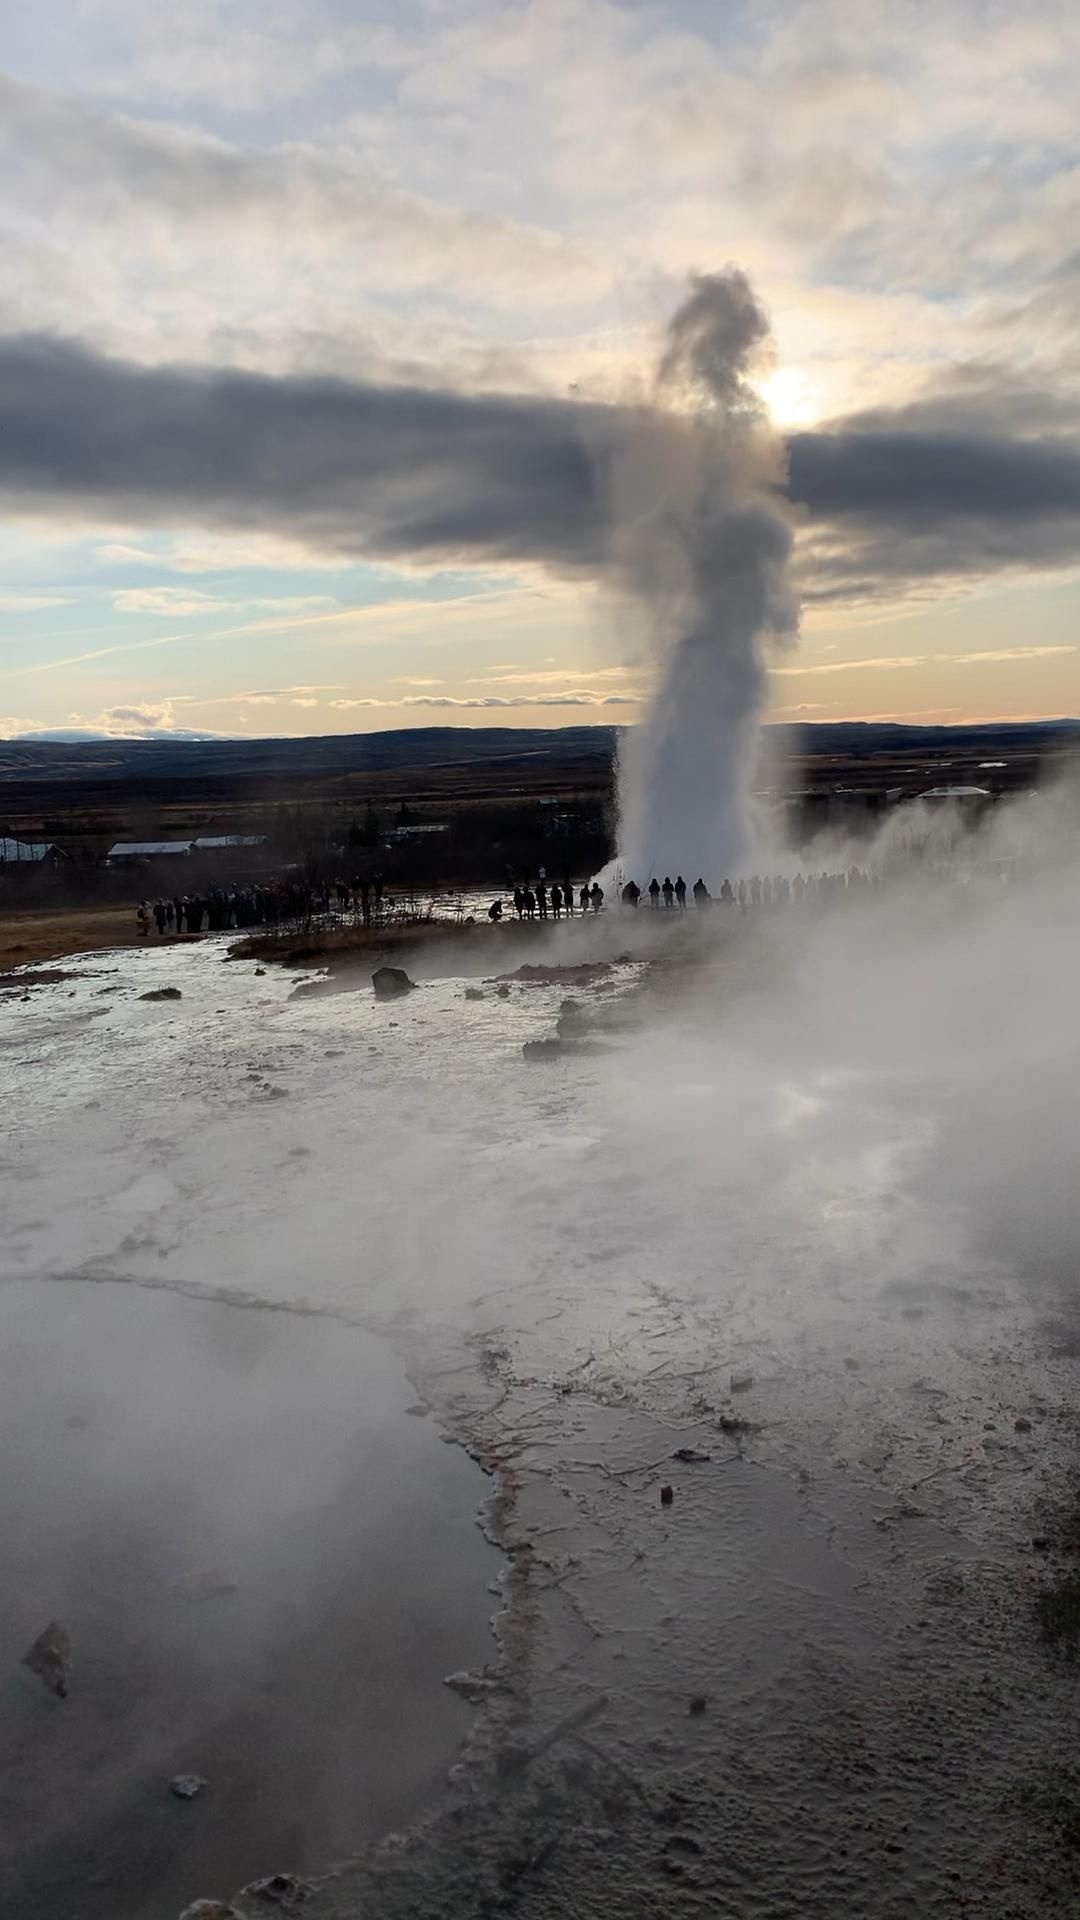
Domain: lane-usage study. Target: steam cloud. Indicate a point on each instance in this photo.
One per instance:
(704, 547)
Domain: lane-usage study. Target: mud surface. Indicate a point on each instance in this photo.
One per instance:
(816, 1683)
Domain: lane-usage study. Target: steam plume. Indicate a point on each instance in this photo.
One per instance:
(704, 549)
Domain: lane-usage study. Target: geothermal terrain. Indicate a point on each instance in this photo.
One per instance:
(699, 1395)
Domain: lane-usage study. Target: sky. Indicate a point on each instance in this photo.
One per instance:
(320, 319)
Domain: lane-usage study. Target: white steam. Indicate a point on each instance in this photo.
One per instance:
(704, 548)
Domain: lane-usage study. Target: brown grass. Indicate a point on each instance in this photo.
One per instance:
(27, 938)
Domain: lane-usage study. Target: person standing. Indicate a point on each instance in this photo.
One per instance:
(583, 898)
(542, 895)
(568, 893)
(668, 892)
(654, 892)
(596, 896)
(556, 901)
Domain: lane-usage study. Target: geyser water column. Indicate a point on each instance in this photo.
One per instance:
(703, 546)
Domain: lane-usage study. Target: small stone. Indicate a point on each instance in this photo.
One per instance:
(667, 1495)
(162, 993)
(1022, 1425)
(741, 1382)
(50, 1658)
(186, 1785)
(210, 1910)
(473, 1687)
(698, 1704)
(691, 1455)
(279, 1889)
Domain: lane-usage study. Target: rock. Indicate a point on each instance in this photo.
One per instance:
(734, 1423)
(503, 993)
(543, 1049)
(391, 982)
(741, 1382)
(472, 1687)
(573, 1021)
(667, 1495)
(583, 975)
(162, 993)
(698, 1704)
(692, 1455)
(418, 1409)
(210, 1910)
(279, 1890)
(50, 1658)
(260, 973)
(1022, 1425)
(186, 1785)
(473, 993)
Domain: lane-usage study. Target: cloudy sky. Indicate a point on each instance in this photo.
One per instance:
(318, 318)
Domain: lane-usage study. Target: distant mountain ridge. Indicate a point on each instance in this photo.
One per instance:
(423, 748)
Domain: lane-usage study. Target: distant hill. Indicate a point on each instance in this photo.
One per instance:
(423, 748)
(590, 749)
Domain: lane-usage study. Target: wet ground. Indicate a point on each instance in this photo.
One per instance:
(266, 1567)
(810, 1683)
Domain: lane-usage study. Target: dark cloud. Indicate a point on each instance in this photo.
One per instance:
(944, 488)
(362, 469)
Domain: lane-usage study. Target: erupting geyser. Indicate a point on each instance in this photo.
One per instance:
(704, 546)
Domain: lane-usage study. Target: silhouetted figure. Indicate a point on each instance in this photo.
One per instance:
(583, 898)
(568, 893)
(631, 894)
(680, 892)
(159, 916)
(142, 916)
(519, 902)
(727, 894)
(668, 892)
(654, 892)
(530, 904)
(701, 893)
(596, 896)
(495, 910)
(556, 901)
(542, 898)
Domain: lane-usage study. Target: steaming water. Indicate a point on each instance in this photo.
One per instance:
(831, 1156)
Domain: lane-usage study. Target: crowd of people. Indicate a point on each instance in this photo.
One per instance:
(760, 890)
(554, 899)
(280, 903)
(291, 903)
